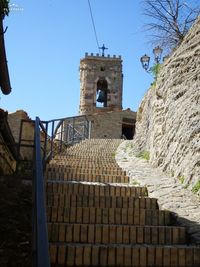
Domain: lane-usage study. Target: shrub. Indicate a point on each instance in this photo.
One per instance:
(144, 155)
(196, 187)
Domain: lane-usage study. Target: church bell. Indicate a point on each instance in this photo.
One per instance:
(101, 97)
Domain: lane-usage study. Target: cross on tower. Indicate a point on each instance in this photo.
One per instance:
(103, 48)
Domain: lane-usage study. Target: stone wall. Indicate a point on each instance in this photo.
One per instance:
(7, 161)
(14, 120)
(168, 120)
(94, 68)
(109, 124)
(8, 150)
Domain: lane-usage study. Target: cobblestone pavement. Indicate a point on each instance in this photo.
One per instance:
(169, 191)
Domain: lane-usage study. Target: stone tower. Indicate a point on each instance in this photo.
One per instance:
(101, 82)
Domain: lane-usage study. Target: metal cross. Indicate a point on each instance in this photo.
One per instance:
(103, 48)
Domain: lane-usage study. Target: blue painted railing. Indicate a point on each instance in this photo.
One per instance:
(40, 236)
(50, 138)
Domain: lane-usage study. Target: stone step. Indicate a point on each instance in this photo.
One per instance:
(66, 169)
(116, 234)
(87, 160)
(124, 216)
(86, 157)
(78, 200)
(85, 164)
(95, 189)
(109, 155)
(124, 255)
(87, 177)
(91, 156)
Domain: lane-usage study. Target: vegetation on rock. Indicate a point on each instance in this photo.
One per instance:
(196, 187)
(144, 155)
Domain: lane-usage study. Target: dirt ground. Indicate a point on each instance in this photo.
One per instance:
(15, 222)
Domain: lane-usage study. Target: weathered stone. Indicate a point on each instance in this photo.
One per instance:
(99, 70)
(168, 119)
(110, 124)
(170, 193)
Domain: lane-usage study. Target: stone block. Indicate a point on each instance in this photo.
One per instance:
(61, 255)
(119, 256)
(87, 255)
(53, 254)
(71, 254)
(79, 256)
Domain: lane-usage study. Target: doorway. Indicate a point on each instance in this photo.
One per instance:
(128, 128)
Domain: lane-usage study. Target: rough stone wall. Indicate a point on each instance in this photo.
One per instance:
(109, 124)
(14, 120)
(93, 68)
(168, 120)
(7, 161)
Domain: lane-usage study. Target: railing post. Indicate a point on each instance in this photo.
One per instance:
(45, 143)
(85, 128)
(73, 131)
(89, 129)
(52, 137)
(67, 132)
(40, 228)
(61, 138)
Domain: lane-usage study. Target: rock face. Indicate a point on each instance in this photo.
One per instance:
(168, 119)
(14, 120)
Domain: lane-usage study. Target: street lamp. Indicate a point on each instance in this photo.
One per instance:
(145, 60)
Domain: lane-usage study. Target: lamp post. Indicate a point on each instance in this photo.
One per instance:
(145, 60)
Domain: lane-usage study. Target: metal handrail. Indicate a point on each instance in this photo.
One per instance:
(43, 151)
(40, 236)
(55, 134)
(45, 143)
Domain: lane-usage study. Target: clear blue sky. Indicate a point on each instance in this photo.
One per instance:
(46, 40)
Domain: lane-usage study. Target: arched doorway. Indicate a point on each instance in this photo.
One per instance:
(102, 93)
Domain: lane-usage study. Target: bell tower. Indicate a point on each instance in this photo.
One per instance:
(101, 82)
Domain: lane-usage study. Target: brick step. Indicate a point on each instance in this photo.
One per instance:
(122, 255)
(116, 234)
(125, 216)
(92, 149)
(94, 189)
(86, 177)
(107, 153)
(97, 155)
(90, 153)
(94, 170)
(78, 200)
(85, 163)
(86, 158)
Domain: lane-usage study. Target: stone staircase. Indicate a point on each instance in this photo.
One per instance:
(97, 218)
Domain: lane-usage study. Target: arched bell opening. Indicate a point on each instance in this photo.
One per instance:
(102, 93)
